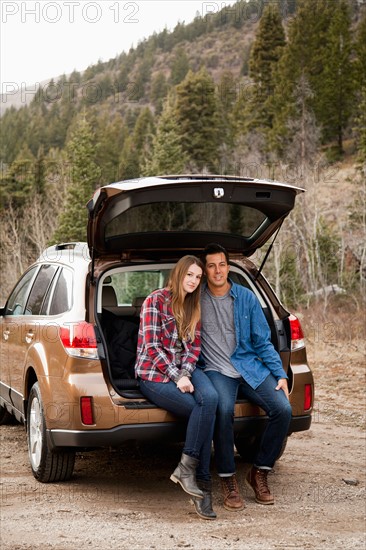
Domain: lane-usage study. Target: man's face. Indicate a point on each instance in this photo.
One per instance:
(217, 270)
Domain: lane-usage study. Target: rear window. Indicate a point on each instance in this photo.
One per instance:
(236, 219)
(132, 287)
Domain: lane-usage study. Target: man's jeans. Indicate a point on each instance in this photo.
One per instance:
(200, 409)
(273, 402)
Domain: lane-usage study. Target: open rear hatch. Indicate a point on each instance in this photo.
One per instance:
(159, 219)
(160, 216)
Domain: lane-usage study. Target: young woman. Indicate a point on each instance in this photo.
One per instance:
(167, 351)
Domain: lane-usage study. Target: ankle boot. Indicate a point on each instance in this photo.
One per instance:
(204, 506)
(185, 475)
(257, 480)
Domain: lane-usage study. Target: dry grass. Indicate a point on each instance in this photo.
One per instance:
(336, 348)
(339, 320)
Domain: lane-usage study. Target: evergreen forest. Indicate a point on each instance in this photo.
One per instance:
(273, 89)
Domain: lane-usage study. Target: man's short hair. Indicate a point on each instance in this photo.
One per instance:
(214, 248)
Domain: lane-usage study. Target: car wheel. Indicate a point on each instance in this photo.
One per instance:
(5, 416)
(283, 448)
(47, 466)
(247, 447)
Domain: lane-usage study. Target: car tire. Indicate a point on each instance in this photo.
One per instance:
(247, 447)
(5, 416)
(283, 448)
(47, 466)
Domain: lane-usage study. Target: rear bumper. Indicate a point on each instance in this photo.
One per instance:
(256, 425)
(173, 431)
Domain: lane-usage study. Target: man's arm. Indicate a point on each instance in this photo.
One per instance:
(261, 339)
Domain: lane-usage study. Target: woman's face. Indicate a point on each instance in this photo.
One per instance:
(192, 279)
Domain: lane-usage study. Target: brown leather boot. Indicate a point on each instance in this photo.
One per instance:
(230, 490)
(257, 480)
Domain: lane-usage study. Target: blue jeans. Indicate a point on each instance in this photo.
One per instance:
(200, 409)
(273, 402)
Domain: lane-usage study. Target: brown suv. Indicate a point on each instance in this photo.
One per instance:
(69, 327)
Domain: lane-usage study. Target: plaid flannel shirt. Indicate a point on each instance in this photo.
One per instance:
(157, 348)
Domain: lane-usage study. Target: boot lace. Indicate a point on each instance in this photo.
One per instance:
(230, 484)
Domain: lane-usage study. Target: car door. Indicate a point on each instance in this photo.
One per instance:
(12, 329)
(32, 325)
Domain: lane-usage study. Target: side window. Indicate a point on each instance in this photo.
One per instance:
(39, 289)
(62, 296)
(239, 279)
(18, 298)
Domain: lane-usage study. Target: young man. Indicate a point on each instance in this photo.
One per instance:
(237, 352)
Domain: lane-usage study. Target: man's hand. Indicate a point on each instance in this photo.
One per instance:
(282, 385)
(185, 385)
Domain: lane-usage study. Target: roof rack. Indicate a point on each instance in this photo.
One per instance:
(57, 251)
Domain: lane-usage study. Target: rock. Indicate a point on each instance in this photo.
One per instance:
(350, 481)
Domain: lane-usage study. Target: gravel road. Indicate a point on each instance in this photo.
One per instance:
(123, 498)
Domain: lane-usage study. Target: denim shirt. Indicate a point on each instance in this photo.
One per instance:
(254, 356)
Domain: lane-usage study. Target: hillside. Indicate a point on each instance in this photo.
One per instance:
(239, 95)
(219, 46)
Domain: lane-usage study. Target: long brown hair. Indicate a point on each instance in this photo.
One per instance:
(186, 308)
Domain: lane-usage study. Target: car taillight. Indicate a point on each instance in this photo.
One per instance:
(308, 397)
(86, 410)
(79, 340)
(297, 335)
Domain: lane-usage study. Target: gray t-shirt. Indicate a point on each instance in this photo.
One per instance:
(218, 340)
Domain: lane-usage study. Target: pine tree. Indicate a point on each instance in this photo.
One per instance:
(197, 116)
(40, 173)
(84, 176)
(254, 108)
(295, 135)
(360, 87)
(167, 152)
(112, 134)
(129, 162)
(317, 52)
(159, 90)
(137, 148)
(266, 51)
(179, 67)
(336, 95)
(18, 182)
(228, 92)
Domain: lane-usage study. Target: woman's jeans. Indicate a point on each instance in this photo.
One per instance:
(200, 409)
(273, 402)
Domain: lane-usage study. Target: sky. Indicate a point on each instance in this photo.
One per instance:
(48, 38)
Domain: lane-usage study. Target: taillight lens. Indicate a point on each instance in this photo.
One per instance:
(79, 340)
(297, 335)
(308, 397)
(86, 410)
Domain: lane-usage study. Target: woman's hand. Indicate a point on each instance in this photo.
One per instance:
(185, 385)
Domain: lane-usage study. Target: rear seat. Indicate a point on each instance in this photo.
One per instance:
(120, 327)
(110, 303)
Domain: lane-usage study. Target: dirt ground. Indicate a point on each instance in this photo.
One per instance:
(124, 499)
